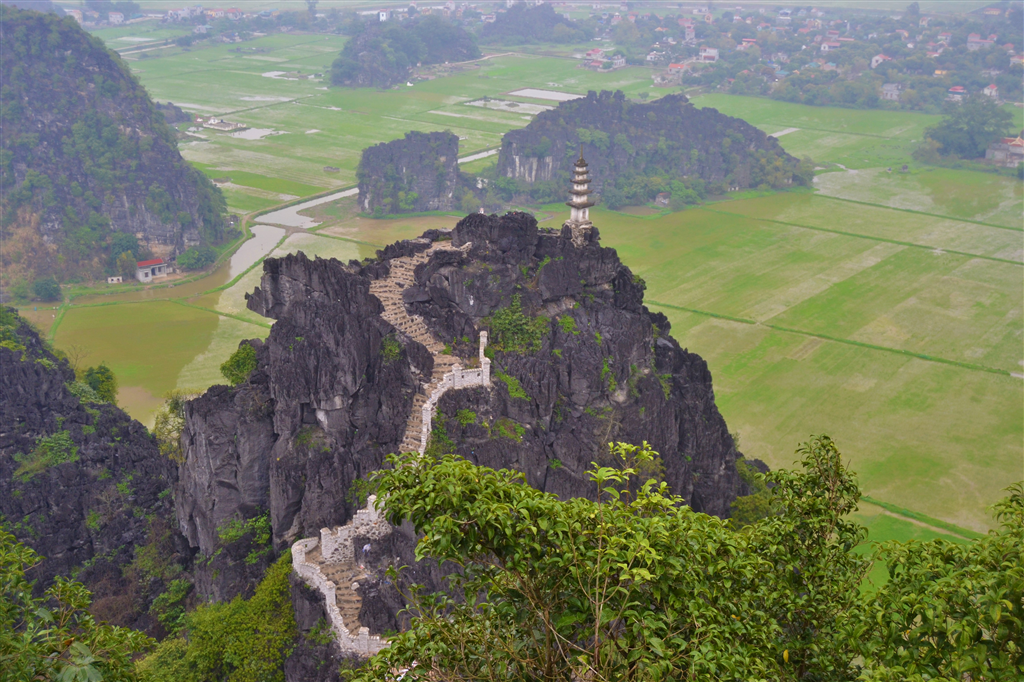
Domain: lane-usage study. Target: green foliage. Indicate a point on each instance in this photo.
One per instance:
(360, 491)
(169, 606)
(465, 417)
(51, 450)
(84, 392)
(169, 422)
(515, 390)
(54, 637)
(237, 641)
(439, 444)
(196, 258)
(970, 127)
(390, 349)
(606, 590)
(102, 381)
(522, 24)
(507, 428)
(750, 508)
(47, 289)
(240, 365)
(514, 332)
(608, 376)
(568, 324)
(92, 521)
(666, 384)
(951, 611)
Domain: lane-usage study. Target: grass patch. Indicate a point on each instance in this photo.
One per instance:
(57, 448)
(515, 389)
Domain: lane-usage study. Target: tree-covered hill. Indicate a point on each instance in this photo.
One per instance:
(636, 151)
(87, 162)
(383, 54)
(541, 24)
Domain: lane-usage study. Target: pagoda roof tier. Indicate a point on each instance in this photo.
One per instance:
(581, 192)
(580, 204)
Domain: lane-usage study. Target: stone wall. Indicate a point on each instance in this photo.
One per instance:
(362, 642)
(336, 545)
(457, 378)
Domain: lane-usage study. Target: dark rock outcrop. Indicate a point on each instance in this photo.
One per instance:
(621, 138)
(417, 173)
(83, 484)
(333, 402)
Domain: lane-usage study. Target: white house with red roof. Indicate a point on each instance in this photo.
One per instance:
(878, 59)
(956, 93)
(148, 270)
(991, 90)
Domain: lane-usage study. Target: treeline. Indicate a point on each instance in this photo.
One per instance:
(522, 24)
(382, 54)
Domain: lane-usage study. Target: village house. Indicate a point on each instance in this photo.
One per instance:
(1008, 152)
(709, 55)
(891, 92)
(878, 59)
(956, 93)
(991, 91)
(830, 45)
(148, 270)
(221, 124)
(75, 13)
(115, 18)
(115, 280)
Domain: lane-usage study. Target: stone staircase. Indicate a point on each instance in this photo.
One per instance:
(328, 563)
(389, 291)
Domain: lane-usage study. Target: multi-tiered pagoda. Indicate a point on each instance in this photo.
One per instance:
(579, 202)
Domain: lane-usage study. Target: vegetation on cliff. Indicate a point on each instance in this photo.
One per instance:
(521, 24)
(381, 54)
(636, 586)
(637, 150)
(84, 157)
(419, 172)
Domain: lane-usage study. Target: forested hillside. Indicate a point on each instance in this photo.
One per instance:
(541, 24)
(383, 54)
(637, 150)
(86, 158)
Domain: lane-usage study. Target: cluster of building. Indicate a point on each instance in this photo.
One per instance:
(1008, 152)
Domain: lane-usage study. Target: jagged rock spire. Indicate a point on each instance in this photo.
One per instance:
(578, 203)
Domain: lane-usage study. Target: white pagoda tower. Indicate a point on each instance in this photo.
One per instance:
(578, 203)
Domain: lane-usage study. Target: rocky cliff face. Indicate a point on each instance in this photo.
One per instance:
(336, 382)
(417, 173)
(85, 154)
(83, 484)
(667, 136)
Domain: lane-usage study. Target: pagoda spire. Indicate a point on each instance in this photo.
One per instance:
(579, 203)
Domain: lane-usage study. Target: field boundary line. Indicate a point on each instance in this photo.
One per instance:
(266, 106)
(937, 524)
(930, 215)
(826, 337)
(245, 272)
(345, 239)
(864, 236)
(219, 312)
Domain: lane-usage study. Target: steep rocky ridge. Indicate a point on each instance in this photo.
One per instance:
(668, 136)
(337, 383)
(417, 173)
(107, 504)
(85, 154)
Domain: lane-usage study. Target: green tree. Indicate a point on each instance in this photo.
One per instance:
(54, 637)
(170, 420)
(47, 289)
(240, 365)
(633, 585)
(951, 611)
(126, 264)
(102, 380)
(237, 641)
(196, 258)
(970, 127)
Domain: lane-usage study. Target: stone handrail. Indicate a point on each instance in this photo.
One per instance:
(363, 642)
(457, 378)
